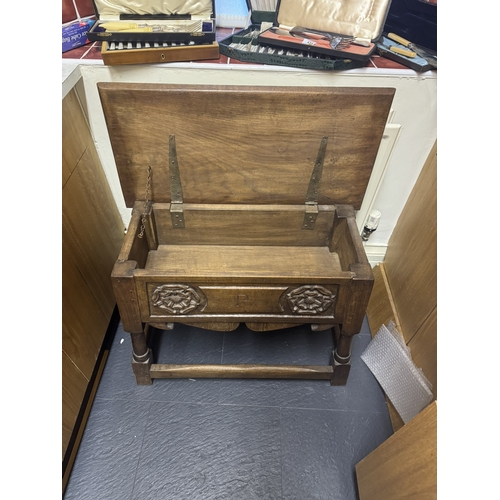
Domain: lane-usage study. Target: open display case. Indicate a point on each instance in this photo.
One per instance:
(346, 29)
(154, 21)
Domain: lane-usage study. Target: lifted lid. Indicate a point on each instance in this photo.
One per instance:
(155, 9)
(358, 18)
(245, 144)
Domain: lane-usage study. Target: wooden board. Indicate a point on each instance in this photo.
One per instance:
(243, 225)
(245, 144)
(92, 234)
(74, 385)
(84, 318)
(158, 55)
(93, 227)
(381, 309)
(423, 346)
(404, 467)
(411, 259)
(75, 135)
(405, 288)
(240, 262)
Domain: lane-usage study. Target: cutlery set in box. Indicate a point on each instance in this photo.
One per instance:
(318, 34)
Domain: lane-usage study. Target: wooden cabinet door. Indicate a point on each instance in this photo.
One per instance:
(92, 235)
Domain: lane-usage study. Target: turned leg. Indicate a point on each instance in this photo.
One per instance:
(141, 358)
(341, 359)
(130, 314)
(359, 295)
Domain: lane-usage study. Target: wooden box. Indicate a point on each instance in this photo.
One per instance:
(244, 202)
(114, 56)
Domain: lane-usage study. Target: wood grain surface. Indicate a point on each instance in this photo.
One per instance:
(74, 385)
(405, 466)
(242, 371)
(245, 144)
(159, 55)
(423, 346)
(405, 289)
(92, 233)
(244, 225)
(411, 259)
(220, 261)
(381, 309)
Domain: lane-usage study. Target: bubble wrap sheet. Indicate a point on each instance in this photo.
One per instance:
(389, 359)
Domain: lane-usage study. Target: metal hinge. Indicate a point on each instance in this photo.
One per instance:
(312, 196)
(176, 202)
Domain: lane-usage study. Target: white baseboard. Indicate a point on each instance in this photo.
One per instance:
(375, 253)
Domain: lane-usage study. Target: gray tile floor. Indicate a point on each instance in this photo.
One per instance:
(229, 439)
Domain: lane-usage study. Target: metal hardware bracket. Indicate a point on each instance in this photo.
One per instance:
(312, 196)
(176, 202)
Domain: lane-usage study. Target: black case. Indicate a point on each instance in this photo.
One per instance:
(348, 22)
(99, 34)
(416, 63)
(240, 46)
(415, 20)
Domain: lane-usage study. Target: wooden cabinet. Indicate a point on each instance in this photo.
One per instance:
(92, 234)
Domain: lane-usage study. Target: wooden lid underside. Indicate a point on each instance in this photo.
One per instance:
(245, 144)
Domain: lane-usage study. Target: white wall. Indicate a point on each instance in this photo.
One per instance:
(414, 109)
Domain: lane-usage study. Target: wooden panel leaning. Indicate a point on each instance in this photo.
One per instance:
(244, 203)
(405, 465)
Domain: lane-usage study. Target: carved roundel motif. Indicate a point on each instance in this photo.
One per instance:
(176, 299)
(310, 299)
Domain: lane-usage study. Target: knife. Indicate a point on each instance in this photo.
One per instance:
(403, 52)
(431, 59)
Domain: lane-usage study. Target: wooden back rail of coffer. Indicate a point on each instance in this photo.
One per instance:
(335, 231)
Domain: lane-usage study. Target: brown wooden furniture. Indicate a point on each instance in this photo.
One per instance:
(245, 199)
(405, 291)
(92, 234)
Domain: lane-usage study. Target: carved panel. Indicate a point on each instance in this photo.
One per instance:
(309, 299)
(176, 299)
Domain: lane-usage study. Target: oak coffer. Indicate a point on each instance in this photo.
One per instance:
(244, 201)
